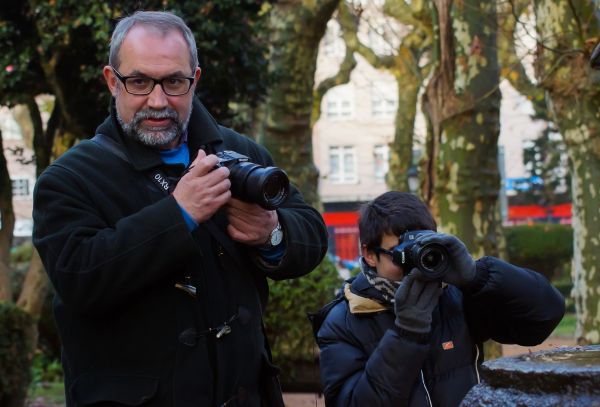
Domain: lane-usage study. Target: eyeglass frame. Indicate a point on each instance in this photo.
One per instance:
(123, 80)
(380, 250)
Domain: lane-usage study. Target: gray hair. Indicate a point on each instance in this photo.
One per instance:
(163, 21)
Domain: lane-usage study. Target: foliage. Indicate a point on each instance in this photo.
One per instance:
(21, 253)
(47, 393)
(566, 327)
(15, 354)
(58, 47)
(46, 369)
(545, 248)
(287, 324)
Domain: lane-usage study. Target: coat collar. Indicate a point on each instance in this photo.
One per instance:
(362, 297)
(361, 305)
(203, 130)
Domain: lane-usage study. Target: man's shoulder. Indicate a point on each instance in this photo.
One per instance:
(83, 157)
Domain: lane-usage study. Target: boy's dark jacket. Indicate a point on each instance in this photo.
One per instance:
(365, 361)
(114, 246)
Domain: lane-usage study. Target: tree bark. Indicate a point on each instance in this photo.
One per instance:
(573, 92)
(7, 222)
(296, 30)
(462, 102)
(35, 287)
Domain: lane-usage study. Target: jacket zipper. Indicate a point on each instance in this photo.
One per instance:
(426, 390)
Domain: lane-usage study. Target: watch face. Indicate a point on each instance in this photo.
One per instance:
(276, 237)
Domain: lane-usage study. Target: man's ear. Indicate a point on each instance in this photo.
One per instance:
(369, 256)
(111, 79)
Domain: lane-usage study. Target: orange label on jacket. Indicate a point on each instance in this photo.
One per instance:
(448, 345)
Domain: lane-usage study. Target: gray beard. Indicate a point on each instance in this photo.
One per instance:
(154, 137)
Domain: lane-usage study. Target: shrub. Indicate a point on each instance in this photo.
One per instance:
(16, 349)
(545, 248)
(287, 324)
(21, 253)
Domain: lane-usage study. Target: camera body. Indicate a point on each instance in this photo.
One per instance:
(266, 186)
(432, 259)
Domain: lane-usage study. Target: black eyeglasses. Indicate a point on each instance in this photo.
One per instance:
(143, 85)
(384, 251)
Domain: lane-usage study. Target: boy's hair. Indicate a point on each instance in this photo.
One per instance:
(392, 213)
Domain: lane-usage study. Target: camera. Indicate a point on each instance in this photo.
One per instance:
(268, 187)
(431, 258)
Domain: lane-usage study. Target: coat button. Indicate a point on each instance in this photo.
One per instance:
(188, 337)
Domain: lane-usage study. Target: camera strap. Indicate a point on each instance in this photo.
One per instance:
(157, 176)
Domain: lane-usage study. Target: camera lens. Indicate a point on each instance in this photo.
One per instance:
(272, 187)
(268, 187)
(432, 260)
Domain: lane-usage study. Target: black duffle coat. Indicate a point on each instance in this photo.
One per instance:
(114, 246)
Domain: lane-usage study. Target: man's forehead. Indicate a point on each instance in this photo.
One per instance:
(147, 47)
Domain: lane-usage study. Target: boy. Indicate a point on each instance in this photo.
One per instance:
(395, 337)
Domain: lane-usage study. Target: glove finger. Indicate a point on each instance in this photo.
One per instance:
(429, 296)
(404, 289)
(433, 237)
(415, 292)
(418, 274)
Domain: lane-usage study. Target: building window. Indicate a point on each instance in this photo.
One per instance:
(384, 100)
(20, 187)
(339, 102)
(381, 158)
(342, 165)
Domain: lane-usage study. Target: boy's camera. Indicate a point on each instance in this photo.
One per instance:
(431, 258)
(267, 186)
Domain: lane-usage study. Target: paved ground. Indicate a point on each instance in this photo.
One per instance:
(316, 400)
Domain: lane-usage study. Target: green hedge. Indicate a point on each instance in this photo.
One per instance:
(16, 352)
(287, 324)
(545, 248)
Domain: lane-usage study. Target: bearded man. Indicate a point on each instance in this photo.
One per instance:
(159, 273)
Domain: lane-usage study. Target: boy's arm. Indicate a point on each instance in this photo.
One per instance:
(510, 304)
(502, 302)
(386, 377)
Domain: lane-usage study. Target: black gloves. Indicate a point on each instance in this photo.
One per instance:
(462, 266)
(414, 302)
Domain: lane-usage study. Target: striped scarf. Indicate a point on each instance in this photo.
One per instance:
(385, 286)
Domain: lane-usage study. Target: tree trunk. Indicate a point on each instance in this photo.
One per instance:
(7, 222)
(463, 103)
(409, 79)
(35, 287)
(574, 97)
(296, 30)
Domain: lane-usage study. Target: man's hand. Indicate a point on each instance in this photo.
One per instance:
(414, 302)
(250, 223)
(202, 191)
(462, 266)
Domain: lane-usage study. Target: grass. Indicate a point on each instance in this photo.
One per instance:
(46, 394)
(566, 327)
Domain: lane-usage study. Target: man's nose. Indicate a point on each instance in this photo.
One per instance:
(157, 99)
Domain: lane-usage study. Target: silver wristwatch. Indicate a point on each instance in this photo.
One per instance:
(275, 238)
